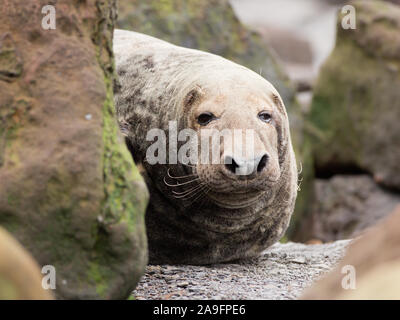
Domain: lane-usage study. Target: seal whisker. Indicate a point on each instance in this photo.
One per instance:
(179, 184)
(192, 193)
(187, 191)
(202, 194)
(198, 195)
(301, 168)
(189, 165)
(181, 177)
(299, 181)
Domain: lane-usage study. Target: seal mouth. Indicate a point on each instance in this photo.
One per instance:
(238, 194)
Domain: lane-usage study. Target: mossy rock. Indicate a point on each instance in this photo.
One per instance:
(212, 26)
(69, 192)
(356, 105)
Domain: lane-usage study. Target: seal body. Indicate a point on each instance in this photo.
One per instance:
(202, 213)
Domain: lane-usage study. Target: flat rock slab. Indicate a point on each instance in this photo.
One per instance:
(281, 272)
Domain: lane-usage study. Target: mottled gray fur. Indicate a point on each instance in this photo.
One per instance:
(154, 79)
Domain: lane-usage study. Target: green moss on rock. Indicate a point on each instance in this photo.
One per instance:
(120, 203)
(11, 65)
(69, 190)
(356, 104)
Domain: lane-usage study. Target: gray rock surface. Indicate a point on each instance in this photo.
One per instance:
(344, 207)
(281, 272)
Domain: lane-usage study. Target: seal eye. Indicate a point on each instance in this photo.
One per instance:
(265, 116)
(205, 118)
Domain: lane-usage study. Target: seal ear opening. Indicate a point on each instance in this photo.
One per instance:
(193, 97)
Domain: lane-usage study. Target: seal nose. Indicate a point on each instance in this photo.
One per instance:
(245, 167)
(262, 163)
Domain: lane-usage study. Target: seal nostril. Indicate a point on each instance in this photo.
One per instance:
(263, 162)
(231, 165)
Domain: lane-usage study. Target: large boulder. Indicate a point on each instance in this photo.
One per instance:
(371, 265)
(212, 26)
(69, 190)
(20, 276)
(356, 105)
(344, 207)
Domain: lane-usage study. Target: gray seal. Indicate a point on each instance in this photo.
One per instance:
(205, 213)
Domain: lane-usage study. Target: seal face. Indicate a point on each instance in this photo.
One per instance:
(226, 203)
